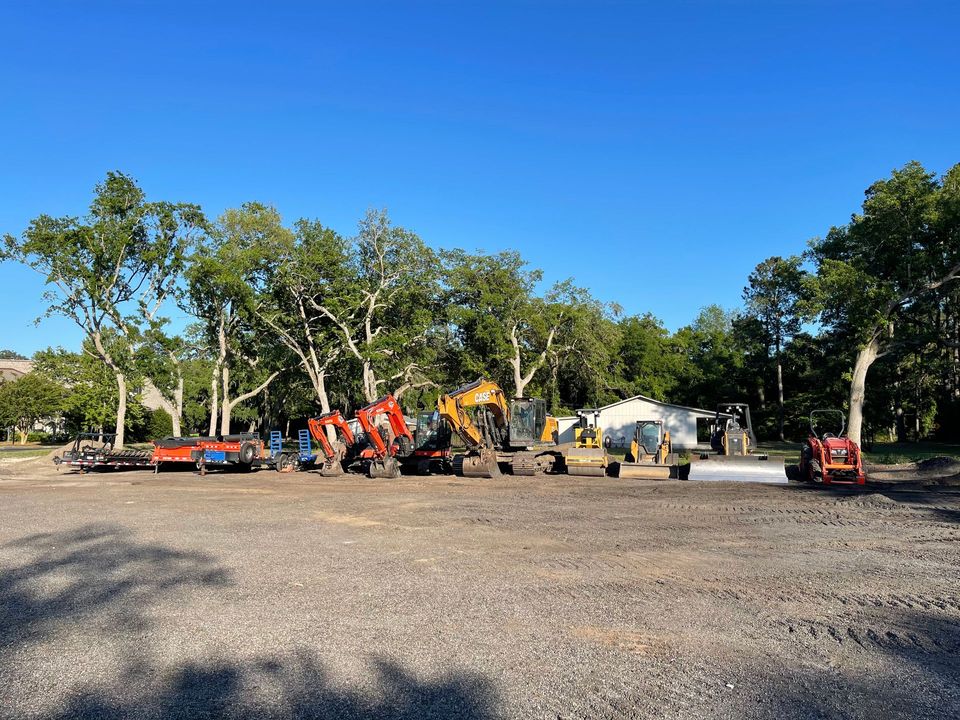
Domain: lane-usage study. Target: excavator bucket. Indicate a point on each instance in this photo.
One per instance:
(586, 462)
(483, 464)
(386, 468)
(744, 468)
(644, 471)
(332, 468)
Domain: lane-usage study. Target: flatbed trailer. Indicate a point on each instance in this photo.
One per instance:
(94, 451)
(244, 449)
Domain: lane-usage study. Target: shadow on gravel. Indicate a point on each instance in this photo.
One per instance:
(103, 576)
(71, 576)
(296, 687)
(896, 666)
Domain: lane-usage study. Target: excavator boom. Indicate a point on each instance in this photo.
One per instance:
(385, 451)
(318, 426)
(479, 393)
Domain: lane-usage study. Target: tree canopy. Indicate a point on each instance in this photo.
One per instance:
(293, 317)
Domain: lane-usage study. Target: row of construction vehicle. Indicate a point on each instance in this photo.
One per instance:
(498, 434)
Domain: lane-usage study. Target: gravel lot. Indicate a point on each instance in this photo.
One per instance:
(266, 596)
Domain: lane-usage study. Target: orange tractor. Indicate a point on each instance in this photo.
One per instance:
(387, 439)
(831, 458)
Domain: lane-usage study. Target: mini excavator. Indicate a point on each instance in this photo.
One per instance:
(388, 441)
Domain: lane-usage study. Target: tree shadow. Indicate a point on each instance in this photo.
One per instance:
(292, 687)
(899, 665)
(103, 575)
(93, 569)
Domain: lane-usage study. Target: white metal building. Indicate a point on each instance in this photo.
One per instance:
(619, 419)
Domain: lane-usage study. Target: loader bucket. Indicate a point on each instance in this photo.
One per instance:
(586, 462)
(749, 468)
(645, 471)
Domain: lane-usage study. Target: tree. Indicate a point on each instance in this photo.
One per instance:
(385, 311)
(27, 400)
(115, 269)
(888, 268)
(505, 330)
(90, 395)
(220, 295)
(713, 360)
(776, 295)
(11, 355)
(646, 359)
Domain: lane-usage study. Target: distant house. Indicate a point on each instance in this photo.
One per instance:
(618, 420)
(13, 369)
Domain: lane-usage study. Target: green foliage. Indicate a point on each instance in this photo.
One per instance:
(11, 355)
(90, 392)
(344, 318)
(159, 424)
(27, 400)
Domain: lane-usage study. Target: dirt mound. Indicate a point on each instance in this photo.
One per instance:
(944, 465)
(871, 500)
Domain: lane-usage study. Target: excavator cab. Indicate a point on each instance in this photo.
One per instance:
(432, 433)
(528, 419)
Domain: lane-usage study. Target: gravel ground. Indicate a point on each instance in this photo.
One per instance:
(132, 595)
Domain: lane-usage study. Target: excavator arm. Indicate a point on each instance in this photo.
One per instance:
(480, 393)
(334, 419)
(388, 407)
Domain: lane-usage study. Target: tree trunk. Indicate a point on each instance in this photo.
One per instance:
(858, 387)
(214, 399)
(121, 409)
(369, 382)
(23, 436)
(779, 394)
(226, 407)
(227, 404)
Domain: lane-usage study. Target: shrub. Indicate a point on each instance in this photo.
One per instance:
(159, 424)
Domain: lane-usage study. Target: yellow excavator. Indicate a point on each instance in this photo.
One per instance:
(587, 456)
(651, 453)
(495, 430)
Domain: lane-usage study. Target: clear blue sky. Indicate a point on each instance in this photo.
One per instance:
(654, 151)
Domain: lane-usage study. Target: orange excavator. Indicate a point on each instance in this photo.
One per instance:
(388, 440)
(518, 432)
(338, 452)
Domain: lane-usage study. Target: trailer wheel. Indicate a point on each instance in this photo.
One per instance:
(247, 453)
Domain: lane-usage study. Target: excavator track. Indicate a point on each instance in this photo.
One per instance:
(530, 463)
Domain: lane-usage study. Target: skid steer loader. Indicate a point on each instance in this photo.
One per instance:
(587, 457)
(733, 459)
(651, 455)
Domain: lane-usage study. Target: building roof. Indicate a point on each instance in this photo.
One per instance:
(699, 412)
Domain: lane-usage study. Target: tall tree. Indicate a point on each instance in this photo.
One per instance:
(221, 296)
(892, 262)
(777, 295)
(115, 269)
(506, 330)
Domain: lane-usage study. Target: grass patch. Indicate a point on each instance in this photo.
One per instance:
(898, 453)
(21, 454)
